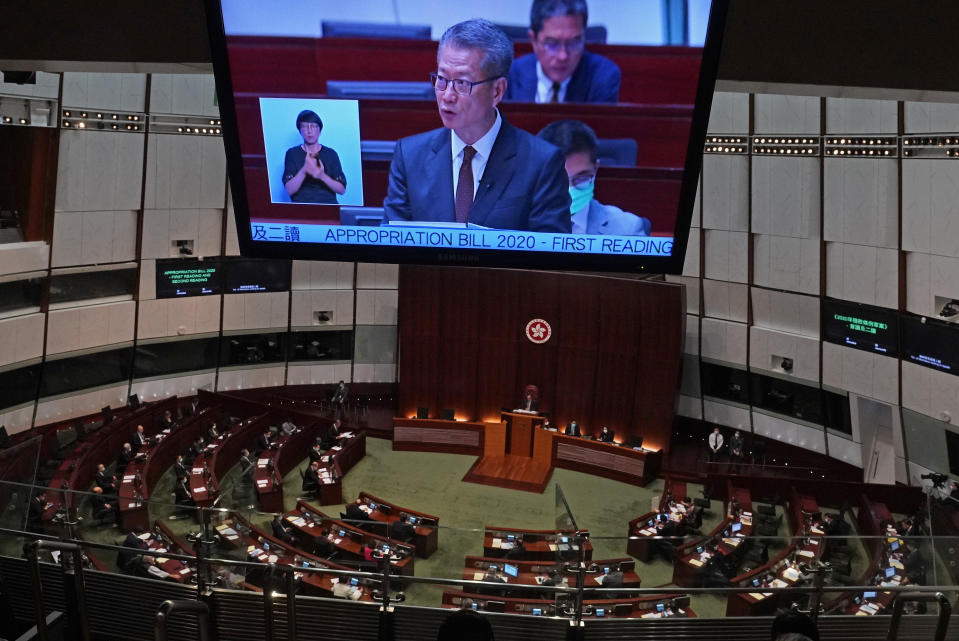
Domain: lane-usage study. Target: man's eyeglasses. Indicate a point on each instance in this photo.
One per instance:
(309, 126)
(553, 47)
(461, 86)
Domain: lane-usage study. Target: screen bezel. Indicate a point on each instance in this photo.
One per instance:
(672, 264)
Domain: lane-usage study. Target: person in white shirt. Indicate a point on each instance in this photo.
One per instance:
(715, 441)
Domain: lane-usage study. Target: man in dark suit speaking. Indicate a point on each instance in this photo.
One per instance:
(560, 69)
(477, 168)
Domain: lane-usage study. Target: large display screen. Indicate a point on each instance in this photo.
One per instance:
(546, 140)
(931, 343)
(873, 329)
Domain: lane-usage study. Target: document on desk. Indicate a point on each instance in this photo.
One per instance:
(262, 462)
(144, 537)
(478, 576)
(696, 562)
(758, 596)
(807, 553)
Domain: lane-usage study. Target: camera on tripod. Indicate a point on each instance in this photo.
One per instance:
(938, 480)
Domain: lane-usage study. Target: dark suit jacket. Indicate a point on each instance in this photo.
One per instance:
(354, 513)
(180, 470)
(607, 437)
(182, 494)
(281, 532)
(524, 186)
(137, 441)
(311, 480)
(596, 79)
(105, 481)
(262, 442)
(315, 455)
(572, 429)
(246, 466)
(123, 460)
(402, 531)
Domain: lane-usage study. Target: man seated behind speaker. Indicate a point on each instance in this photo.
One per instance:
(606, 435)
(580, 147)
(560, 69)
(572, 429)
(477, 168)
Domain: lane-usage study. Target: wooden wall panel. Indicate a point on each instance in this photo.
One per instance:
(614, 357)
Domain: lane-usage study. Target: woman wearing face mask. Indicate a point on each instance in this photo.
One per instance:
(578, 143)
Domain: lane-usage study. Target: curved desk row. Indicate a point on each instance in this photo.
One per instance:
(141, 474)
(648, 607)
(800, 511)
(426, 536)
(640, 535)
(694, 556)
(238, 533)
(275, 463)
(318, 531)
(349, 450)
(528, 573)
(79, 469)
(540, 545)
(220, 455)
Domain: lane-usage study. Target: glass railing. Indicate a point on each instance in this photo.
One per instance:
(725, 565)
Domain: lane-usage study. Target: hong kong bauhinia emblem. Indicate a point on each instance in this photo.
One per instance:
(538, 331)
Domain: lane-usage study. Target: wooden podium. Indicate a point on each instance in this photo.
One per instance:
(516, 454)
(519, 432)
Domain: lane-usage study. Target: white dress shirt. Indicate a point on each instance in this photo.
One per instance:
(544, 86)
(483, 147)
(715, 441)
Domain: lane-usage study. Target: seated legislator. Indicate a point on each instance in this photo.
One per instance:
(166, 422)
(196, 449)
(247, 466)
(281, 530)
(606, 435)
(131, 559)
(580, 147)
(312, 171)
(402, 530)
(477, 168)
(560, 69)
(126, 455)
(355, 513)
(192, 409)
(212, 433)
(180, 469)
(263, 441)
(138, 440)
(329, 437)
(105, 480)
(572, 429)
(102, 507)
(181, 492)
(311, 479)
(315, 453)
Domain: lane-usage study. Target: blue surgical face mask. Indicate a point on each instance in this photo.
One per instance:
(580, 197)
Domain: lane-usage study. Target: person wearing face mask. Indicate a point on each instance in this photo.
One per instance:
(579, 145)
